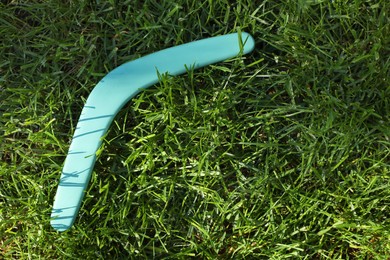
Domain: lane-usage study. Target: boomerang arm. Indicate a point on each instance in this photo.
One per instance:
(109, 96)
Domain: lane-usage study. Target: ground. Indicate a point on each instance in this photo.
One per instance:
(282, 153)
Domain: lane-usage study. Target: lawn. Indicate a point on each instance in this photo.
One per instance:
(281, 153)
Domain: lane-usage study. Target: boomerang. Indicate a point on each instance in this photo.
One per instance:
(112, 93)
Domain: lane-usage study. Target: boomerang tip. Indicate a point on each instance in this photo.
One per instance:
(62, 218)
(60, 224)
(60, 227)
(249, 42)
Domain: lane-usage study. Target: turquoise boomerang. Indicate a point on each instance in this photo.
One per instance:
(114, 91)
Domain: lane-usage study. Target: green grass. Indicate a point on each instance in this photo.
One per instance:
(283, 153)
